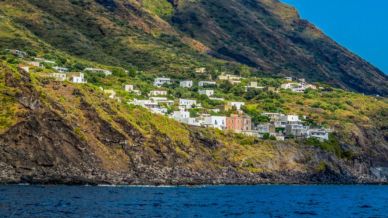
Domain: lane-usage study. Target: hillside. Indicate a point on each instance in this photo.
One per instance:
(82, 102)
(271, 36)
(174, 37)
(61, 132)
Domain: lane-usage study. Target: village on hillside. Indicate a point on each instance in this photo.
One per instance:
(224, 114)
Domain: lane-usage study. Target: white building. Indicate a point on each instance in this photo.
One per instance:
(144, 103)
(263, 128)
(153, 106)
(218, 122)
(162, 100)
(158, 93)
(159, 110)
(234, 79)
(42, 60)
(16, 52)
(215, 110)
(297, 87)
(320, 134)
(206, 83)
(200, 70)
(34, 63)
(78, 78)
(207, 92)
(61, 69)
(160, 81)
(253, 85)
(180, 115)
(217, 99)
(186, 84)
(183, 116)
(274, 116)
(131, 88)
(297, 130)
(188, 103)
(58, 76)
(97, 70)
(290, 119)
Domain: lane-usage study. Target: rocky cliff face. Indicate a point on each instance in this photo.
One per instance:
(156, 37)
(81, 140)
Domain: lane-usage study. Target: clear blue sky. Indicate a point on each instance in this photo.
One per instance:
(359, 25)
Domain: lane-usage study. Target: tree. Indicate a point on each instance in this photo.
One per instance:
(119, 72)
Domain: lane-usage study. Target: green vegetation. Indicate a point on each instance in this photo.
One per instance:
(161, 8)
(332, 145)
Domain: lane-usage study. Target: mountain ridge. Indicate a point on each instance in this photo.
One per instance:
(264, 34)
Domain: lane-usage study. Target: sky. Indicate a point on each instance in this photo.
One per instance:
(359, 25)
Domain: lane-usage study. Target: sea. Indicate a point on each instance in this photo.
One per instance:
(198, 201)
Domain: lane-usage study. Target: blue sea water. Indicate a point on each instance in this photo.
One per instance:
(206, 201)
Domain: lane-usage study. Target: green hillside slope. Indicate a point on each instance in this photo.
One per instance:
(160, 37)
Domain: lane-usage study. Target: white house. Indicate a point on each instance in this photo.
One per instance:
(186, 84)
(187, 103)
(218, 122)
(183, 116)
(200, 70)
(78, 78)
(297, 130)
(158, 93)
(234, 104)
(180, 115)
(58, 76)
(159, 110)
(131, 88)
(217, 99)
(61, 69)
(162, 100)
(42, 60)
(34, 63)
(231, 78)
(288, 78)
(290, 119)
(215, 110)
(274, 116)
(16, 52)
(206, 83)
(253, 85)
(144, 103)
(263, 128)
(97, 70)
(207, 92)
(298, 87)
(153, 106)
(320, 134)
(160, 81)
(284, 120)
